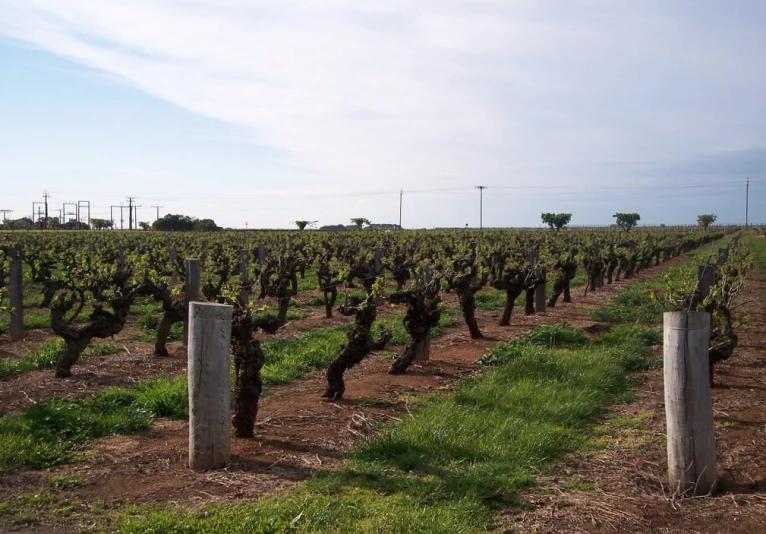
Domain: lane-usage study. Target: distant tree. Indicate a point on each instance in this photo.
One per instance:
(174, 223)
(360, 221)
(101, 224)
(52, 223)
(556, 221)
(303, 224)
(205, 225)
(25, 223)
(706, 219)
(626, 221)
(74, 225)
(144, 225)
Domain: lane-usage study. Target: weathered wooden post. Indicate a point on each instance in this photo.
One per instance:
(534, 257)
(244, 295)
(378, 265)
(423, 347)
(16, 290)
(209, 391)
(723, 256)
(705, 280)
(600, 277)
(173, 258)
(204, 254)
(688, 404)
(191, 290)
(261, 254)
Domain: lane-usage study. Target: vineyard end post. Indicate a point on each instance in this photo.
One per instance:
(209, 392)
(191, 290)
(688, 404)
(16, 296)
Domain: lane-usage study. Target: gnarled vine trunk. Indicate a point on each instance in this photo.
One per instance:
(359, 345)
(422, 314)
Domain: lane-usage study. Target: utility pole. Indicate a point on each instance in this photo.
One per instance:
(481, 189)
(45, 198)
(158, 211)
(130, 212)
(401, 192)
(61, 215)
(83, 204)
(5, 214)
(747, 200)
(66, 213)
(35, 211)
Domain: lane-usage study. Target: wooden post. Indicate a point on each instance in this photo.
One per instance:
(16, 290)
(244, 295)
(204, 254)
(209, 391)
(191, 291)
(261, 254)
(723, 256)
(173, 258)
(540, 299)
(121, 255)
(534, 256)
(423, 349)
(706, 279)
(378, 266)
(688, 404)
(600, 279)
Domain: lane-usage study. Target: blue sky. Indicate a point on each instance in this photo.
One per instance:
(268, 112)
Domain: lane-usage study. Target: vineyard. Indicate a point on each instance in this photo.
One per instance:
(410, 380)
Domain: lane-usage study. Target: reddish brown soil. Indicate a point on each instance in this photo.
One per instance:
(622, 481)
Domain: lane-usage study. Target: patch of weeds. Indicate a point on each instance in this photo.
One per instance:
(627, 422)
(561, 335)
(67, 482)
(148, 324)
(376, 403)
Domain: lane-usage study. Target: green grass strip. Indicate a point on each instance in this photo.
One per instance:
(457, 460)
(48, 355)
(757, 244)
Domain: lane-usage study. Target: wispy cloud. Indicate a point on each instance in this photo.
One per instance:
(372, 94)
(146, 173)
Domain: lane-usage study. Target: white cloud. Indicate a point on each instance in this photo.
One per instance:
(371, 95)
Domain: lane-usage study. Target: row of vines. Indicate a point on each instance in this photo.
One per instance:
(91, 280)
